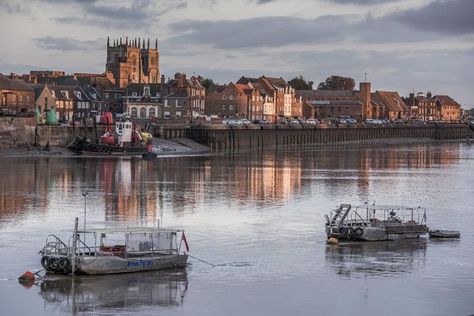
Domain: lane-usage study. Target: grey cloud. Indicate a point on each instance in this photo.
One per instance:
(11, 7)
(450, 17)
(361, 2)
(262, 32)
(138, 14)
(68, 44)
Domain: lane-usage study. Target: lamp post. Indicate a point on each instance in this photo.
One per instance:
(85, 214)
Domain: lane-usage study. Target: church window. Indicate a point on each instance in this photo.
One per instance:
(134, 60)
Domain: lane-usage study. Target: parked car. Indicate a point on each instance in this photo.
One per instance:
(245, 121)
(293, 122)
(351, 121)
(312, 121)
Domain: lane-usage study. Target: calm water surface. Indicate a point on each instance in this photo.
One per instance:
(259, 219)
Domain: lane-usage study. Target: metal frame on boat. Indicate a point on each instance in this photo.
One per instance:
(135, 249)
(376, 222)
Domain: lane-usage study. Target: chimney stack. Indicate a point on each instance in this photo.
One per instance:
(156, 43)
(428, 95)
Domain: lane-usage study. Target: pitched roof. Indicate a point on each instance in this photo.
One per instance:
(13, 84)
(325, 93)
(277, 83)
(391, 100)
(139, 88)
(446, 100)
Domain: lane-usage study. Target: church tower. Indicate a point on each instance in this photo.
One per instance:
(129, 61)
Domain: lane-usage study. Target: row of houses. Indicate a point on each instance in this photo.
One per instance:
(185, 98)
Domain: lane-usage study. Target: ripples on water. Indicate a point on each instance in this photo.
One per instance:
(259, 220)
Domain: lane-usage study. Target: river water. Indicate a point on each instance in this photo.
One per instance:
(259, 219)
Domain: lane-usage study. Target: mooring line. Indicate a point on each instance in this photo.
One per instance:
(202, 260)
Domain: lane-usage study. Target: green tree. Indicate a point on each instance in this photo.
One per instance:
(207, 83)
(299, 83)
(337, 83)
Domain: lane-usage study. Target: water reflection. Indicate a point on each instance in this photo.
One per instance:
(376, 258)
(124, 291)
(138, 191)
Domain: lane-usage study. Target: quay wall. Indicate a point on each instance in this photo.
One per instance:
(274, 136)
(21, 132)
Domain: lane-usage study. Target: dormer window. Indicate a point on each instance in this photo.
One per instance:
(78, 94)
(65, 93)
(53, 93)
(134, 94)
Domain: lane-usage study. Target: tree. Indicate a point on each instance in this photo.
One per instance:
(206, 83)
(337, 83)
(299, 83)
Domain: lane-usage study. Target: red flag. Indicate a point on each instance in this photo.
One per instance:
(183, 238)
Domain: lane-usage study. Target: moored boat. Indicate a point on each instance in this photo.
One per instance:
(115, 250)
(442, 233)
(376, 222)
(126, 140)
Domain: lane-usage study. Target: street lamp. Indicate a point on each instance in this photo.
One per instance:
(85, 214)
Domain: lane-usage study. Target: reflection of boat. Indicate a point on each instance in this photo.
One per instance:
(132, 290)
(441, 233)
(375, 258)
(125, 141)
(106, 251)
(376, 222)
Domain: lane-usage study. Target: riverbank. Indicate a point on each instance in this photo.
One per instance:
(162, 147)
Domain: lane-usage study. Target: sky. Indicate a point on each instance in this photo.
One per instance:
(402, 45)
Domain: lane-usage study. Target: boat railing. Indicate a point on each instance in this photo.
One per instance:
(55, 246)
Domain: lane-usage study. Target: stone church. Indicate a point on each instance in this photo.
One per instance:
(132, 61)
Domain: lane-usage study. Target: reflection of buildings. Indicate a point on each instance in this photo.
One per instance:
(129, 195)
(376, 258)
(102, 294)
(24, 184)
(138, 191)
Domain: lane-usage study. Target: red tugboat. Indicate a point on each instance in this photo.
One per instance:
(125, 141)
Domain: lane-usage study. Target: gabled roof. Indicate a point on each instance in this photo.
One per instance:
(276, 83)
(246, 80)
(74, 93)
(390, 99)
(216, 88)
(446, 100)
(38, 89)
(13, 84)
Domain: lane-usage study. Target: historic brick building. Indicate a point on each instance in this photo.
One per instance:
(16, 96)
(230, 101)
(143, 101)
(448, 109)
(132, 61)
(422, 107)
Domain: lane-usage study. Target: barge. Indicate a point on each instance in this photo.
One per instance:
(115, 250)
(376, 222)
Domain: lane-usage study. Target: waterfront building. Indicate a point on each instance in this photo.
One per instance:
(16, 97)
(143, 101)
(336, 103)
(227, 101)
(132, 61)
(183, 98)
(262, 101)
(388, 105)
(422, 107)
(44, 99)
(72, 103)
(449, 110)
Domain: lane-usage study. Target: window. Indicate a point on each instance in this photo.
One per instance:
(166, 103)
(134, 94)
(178, 114)
(106, 95)
(166, 115)
(231, 107)
(231, 97)
(146, 91)
(151, 112)
(224, 97)
(133, 112)
(142, 113)
(223, 107)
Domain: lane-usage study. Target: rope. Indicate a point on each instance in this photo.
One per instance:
(202, 260)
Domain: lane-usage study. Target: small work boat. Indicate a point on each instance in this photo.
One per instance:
(442, 233)
(115, 250)
(376, 222)
(126, 140)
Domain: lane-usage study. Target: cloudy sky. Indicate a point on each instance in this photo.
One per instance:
(402, 45)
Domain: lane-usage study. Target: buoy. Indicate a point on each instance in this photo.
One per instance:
(28, 275)
(333, 241)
